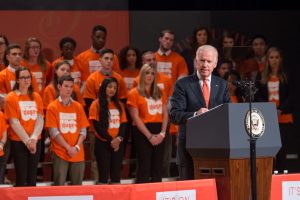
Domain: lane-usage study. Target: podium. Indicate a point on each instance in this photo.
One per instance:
(220, 148)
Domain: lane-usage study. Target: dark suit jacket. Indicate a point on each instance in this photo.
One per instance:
(187, 98)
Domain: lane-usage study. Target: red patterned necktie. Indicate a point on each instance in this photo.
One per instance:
(205, 91)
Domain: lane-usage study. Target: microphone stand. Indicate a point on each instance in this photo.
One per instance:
(249, 91)
(252, 148)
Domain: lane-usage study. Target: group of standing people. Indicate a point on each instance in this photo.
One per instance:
(99, 96)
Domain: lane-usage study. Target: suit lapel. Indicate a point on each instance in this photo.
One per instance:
(214, 86)
(195, 87)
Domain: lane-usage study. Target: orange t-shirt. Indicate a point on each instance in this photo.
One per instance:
(3, 128)
(69, 120)
(273, 89)
(50, 95)
(129, 76)
(234, 99)
(94, 81)
(8, 80)
(75, 72)
(150, 110)
(90, 63)
(172, 65)
(2, 66)
(115, 120)
(42, 77)
(165, 85)
(25, 110)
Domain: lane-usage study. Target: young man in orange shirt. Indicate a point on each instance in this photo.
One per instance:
(90, 57)
(67, 123)
(95, 79)
(7, 76)
(169, 62)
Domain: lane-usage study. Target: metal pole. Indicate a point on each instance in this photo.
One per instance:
(252, 149)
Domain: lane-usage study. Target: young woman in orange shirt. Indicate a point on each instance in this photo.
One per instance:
(24, 110)
(147, 107)
(109, 119)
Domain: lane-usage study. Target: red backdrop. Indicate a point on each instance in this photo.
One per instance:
(51, 26)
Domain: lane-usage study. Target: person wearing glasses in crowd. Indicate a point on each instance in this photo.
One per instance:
(24, 111)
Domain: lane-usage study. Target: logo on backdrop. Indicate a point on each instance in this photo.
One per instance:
(257, 124)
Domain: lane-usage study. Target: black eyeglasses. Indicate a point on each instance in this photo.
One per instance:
(25, 77)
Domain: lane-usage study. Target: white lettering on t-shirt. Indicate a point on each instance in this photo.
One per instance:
(129, 82)
(28, 110)
(165, 67)
(273, 88)
(67, 122)
(114, 121)
(154, 106)
(39, 79)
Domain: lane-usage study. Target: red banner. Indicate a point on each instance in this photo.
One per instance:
(181, 190)
(285, 187)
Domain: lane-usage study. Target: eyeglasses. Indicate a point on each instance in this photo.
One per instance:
(25, 77)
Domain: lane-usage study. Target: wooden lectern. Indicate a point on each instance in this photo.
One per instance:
(218, 142)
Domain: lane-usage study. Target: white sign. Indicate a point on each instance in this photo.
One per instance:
(82, 197)
(291, 190)
(176, 195)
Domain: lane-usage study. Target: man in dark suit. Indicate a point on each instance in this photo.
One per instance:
(195, 95)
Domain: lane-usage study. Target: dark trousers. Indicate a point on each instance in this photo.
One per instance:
(6, 158)
(149, 157)
(26, 164)
(285, 133)
(109, 162)
(186, 173)
(2, 163)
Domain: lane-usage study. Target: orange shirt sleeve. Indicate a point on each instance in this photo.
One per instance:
(51, 119)
(48, 96)
(132, 99)
(90, 90)
(78, 95)
(135, 82)
(39, 103)
(94, 112)
(82, 119)
(3, 123)
(11, 104)
(122, 89)
(123, 115)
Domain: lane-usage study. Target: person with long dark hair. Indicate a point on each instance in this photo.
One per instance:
(109, 119)
(24, 110)
(130, 64)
